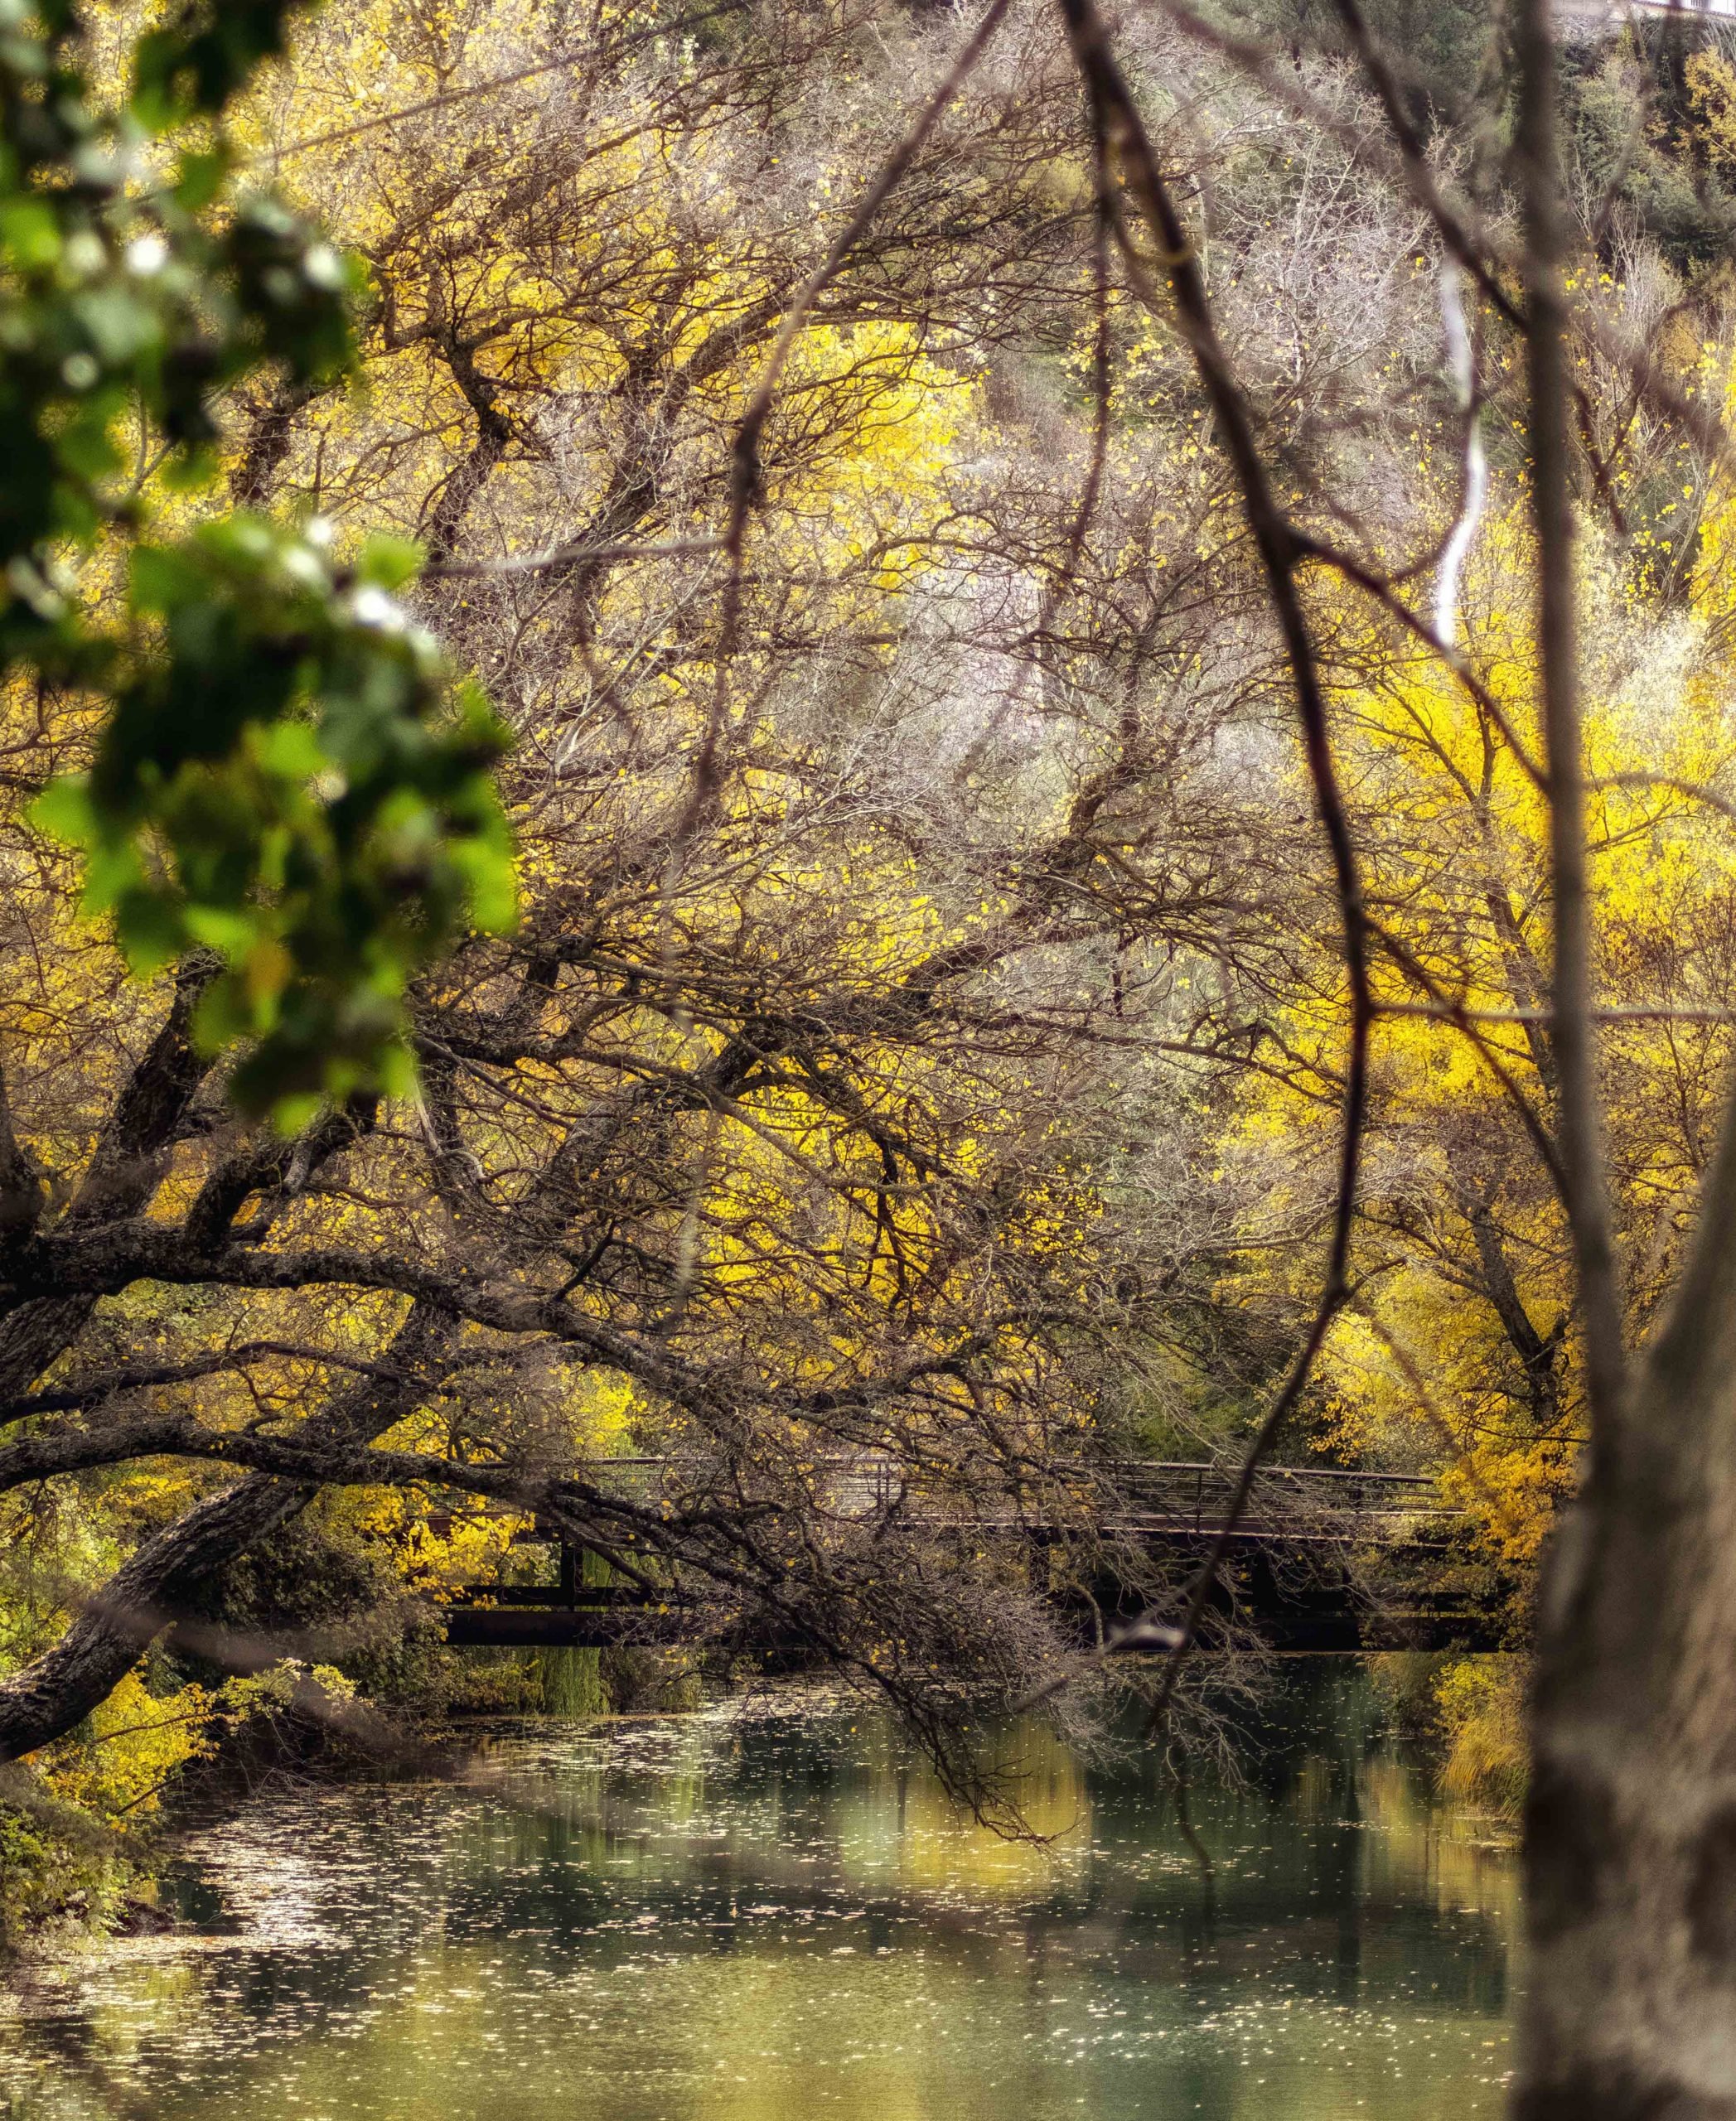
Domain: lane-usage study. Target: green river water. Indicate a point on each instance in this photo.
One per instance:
(767, 1911)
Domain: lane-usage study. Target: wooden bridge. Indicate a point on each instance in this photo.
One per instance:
(1287, 1565)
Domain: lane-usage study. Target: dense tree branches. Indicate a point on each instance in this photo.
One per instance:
(1038, 937)
(804, 1138)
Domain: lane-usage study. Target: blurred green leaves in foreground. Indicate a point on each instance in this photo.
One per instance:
(286, 772)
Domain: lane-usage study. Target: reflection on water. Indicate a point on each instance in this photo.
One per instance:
(772, 1914)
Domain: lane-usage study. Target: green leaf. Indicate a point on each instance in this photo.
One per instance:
(491, 875)
(64, 811)
(150, 931)
(291, 749)
(190, 470)
(165, 579)
(30, 230)
(291, 1114)
(389, 563)
(222, 1017)
(232, 934)
(200, 176)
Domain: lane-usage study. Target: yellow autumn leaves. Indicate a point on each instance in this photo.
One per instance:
(1459, 1349)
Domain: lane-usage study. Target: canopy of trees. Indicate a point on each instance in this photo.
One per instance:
(1108, 659)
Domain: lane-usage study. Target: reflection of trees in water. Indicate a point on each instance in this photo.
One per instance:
(725, 1864)
(1334, 1864)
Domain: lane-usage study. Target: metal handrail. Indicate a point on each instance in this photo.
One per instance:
(882, 1460)
(1159, 1496)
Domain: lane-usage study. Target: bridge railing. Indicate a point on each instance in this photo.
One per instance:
(1175, 1494)
(1127, 1498)
(1200, 1495)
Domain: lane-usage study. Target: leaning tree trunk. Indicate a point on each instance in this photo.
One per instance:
(60, 1688)
(150, 1590)
(1630, 2007)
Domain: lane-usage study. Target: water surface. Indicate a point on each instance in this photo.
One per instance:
(769, 1912)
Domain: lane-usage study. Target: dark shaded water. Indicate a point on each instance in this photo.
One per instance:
(771, 1914)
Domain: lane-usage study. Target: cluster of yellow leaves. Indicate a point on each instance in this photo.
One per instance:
(1453, 833)
(1480, 1703)
(133, 1745)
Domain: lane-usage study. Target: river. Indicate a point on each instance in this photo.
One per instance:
(768, 1911)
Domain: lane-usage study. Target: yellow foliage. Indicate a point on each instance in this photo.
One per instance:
(1711, 82)
(1463, 1358)
(130, 1747)
(133, 1745)
(1481, 1704)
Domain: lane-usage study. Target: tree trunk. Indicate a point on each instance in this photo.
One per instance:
(1630, 2008)
(147, 1594)
(125, 1167)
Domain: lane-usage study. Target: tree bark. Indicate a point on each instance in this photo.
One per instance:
(60, 1688)
(123, 1173)
(1630, 2008)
